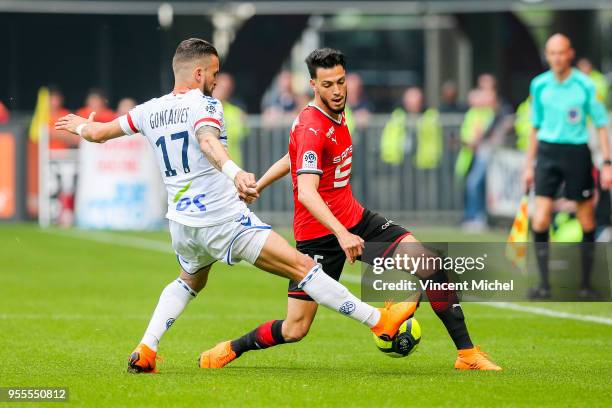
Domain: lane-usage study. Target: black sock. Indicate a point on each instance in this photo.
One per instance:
(587, 249)
(445, 304)
(266, 335)
(542, 250)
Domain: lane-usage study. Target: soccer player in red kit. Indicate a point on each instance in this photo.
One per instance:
(331, 226)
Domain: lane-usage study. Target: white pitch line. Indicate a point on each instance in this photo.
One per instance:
(153, 245)
(551, 313)
(114, 239)
(527, 309)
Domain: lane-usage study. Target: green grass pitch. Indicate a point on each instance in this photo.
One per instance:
(74, 304)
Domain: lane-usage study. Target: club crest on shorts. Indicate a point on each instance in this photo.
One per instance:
(310, 160)
(347, 308)
(574, 115)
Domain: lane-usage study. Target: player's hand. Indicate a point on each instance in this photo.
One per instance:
(528, 176)
(71, 121)
(606, 177)
(351, 244)
(247, 186)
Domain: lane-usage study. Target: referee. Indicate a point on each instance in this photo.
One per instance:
(558, 154)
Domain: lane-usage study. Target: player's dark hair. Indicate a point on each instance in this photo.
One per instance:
(324, 58)
(193, 48)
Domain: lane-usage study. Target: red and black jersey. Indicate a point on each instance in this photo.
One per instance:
(319, 144)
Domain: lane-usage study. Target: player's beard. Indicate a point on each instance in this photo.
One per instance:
(208, 89)
(336, 111)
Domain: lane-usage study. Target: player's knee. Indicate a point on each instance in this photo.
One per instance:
(304, 265)
(197, 281)
(540, 224)
(541, 221)
(296, 331)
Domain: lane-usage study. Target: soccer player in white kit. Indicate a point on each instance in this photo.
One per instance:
(208, 221)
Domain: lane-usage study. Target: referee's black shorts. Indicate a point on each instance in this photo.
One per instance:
(566, 165)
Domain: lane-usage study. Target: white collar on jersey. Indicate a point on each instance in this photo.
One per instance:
(338, 121)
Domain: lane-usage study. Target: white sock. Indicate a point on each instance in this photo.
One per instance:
(172, 302)
(333, 295)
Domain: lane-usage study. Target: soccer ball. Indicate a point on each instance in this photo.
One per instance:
(405, 341)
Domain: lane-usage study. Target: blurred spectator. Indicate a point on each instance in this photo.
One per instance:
(487, 81)
(4, 114)
(235, 117)
(303, 99)
(522, 124)
(358, 107)
(450, 99)
(125, 105)
(599, 79)
(96, 102)
(486, 124)
(281, 102)
(410, 123)
(59, 139)
(470, 165)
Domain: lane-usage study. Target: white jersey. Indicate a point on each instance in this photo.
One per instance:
(198, 194)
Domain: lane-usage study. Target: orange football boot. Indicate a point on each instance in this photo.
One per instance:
(392, 316)
(142, 360)
(218, 356)
(474, 359)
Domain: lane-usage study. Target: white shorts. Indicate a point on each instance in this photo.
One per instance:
(231, 242)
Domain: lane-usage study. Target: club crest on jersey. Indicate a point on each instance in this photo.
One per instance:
(310, 160)
(574, 115)
(330, 135)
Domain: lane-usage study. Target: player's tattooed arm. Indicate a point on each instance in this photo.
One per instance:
(89, 130)
(276, 171)
(208, 138)
(215, 152)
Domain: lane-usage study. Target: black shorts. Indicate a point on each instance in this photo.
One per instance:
(564, 164)
(372, 227)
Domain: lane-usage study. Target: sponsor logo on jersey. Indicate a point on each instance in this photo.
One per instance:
(343, 155)
(574, 115)
(347, 308)
(315, 131)
(310, 160)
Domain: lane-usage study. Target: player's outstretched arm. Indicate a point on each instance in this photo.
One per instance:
(276, 171)
(309, 196)
(215, 152)
(89, 130)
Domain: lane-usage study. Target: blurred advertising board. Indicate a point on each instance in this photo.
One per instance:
(119, 186)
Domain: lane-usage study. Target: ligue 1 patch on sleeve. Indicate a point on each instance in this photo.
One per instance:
(310, 161)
